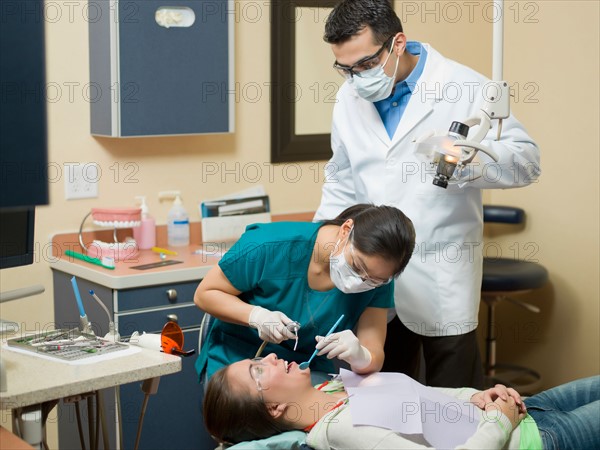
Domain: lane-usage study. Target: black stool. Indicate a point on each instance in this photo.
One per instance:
(503, 278)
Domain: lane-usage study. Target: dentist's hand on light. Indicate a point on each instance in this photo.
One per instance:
(450, 152)
(345, 346)
(271, 325)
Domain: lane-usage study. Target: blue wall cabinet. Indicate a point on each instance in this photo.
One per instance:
(161, 68)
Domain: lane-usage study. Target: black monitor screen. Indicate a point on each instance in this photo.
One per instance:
(16, 236)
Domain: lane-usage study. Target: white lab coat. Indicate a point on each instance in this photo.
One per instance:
(438, 293)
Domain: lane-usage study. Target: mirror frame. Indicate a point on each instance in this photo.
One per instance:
(286, 145)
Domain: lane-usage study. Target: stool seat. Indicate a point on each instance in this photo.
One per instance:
(508, 275)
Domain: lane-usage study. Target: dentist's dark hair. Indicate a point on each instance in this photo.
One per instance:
(232, 415)
(380, 231)
(349, 17)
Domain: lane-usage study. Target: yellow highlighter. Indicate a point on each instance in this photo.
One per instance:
(163, 250)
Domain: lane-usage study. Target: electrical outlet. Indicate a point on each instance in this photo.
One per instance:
(81, 180)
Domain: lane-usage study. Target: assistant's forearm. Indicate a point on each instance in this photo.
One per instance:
(223, 306)
(376, 364)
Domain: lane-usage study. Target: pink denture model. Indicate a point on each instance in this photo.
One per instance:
(117, 217)
(116, 251)
(113, 218)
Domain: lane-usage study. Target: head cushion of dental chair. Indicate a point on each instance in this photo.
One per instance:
(289, 440)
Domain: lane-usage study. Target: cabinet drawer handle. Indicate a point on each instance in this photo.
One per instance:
(172, 295)
(172, 318)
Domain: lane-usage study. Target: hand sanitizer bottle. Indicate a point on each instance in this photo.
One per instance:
(145, 234)
(178, 224)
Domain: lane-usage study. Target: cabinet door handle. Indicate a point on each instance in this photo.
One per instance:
(172, 295)
(172, 318)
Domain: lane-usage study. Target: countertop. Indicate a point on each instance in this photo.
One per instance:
(192, 266)
(34, 380)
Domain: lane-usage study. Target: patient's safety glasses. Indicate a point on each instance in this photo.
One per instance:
(257, 371)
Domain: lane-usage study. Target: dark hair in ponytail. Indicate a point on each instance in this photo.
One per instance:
(380, 230)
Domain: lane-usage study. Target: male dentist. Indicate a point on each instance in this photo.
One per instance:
(395, 92)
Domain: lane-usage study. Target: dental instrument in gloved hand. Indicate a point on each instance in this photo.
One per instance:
(305, 364)
(292, 326)
(345, 346)
(271, 325)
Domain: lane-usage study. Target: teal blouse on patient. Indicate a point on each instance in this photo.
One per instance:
(269, 264)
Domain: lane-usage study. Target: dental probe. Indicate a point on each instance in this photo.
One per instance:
(292, 326)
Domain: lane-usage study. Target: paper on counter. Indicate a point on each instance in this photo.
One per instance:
(231, 220)
(254, 191)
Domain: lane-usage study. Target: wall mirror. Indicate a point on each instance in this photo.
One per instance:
(304, 84)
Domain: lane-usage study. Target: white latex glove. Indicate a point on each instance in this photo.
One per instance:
(346, 346)
(270, 325)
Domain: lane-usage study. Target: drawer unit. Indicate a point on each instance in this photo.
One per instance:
(187, 316)
(155, 296)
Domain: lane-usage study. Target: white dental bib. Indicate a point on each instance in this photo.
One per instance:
(397, 402)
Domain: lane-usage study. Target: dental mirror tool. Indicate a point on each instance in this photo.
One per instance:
(305, 364)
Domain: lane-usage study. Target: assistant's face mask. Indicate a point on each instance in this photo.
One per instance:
(373, 84)
(342, 275)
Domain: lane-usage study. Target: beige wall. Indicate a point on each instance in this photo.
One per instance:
(551, 52)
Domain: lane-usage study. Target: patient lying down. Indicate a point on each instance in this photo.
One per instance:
(255, 399)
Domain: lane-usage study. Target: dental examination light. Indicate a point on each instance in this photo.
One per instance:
(450, 152)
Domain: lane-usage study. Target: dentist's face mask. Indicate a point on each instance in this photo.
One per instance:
(342, 274)
(373, 84)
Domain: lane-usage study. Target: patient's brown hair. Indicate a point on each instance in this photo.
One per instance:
(232, 415)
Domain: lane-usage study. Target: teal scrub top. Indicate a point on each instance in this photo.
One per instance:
(269, 265)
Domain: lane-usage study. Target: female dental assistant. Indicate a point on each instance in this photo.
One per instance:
(310, 273)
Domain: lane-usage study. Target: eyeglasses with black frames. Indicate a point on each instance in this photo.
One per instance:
(366, 63)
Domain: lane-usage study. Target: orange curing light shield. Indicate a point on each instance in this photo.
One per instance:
(171, 340)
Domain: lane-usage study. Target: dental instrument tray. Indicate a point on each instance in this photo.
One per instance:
(66, 345)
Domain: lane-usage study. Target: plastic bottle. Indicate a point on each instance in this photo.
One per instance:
(178, 224)
(145, 234)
